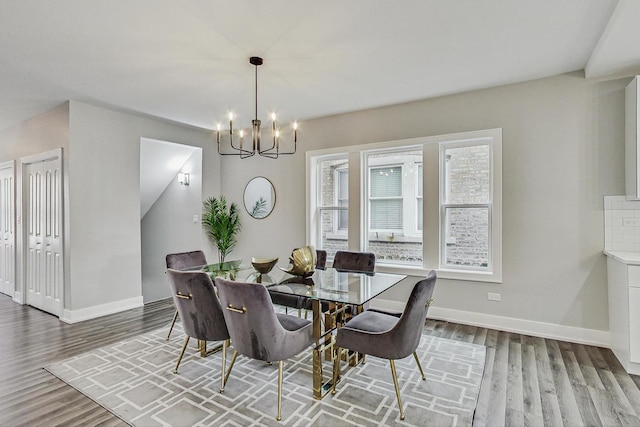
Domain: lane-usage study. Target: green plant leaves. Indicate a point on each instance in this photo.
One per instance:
(221, 223)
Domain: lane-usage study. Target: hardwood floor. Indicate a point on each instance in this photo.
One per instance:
(528, 381)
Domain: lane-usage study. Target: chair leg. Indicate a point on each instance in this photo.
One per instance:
(225, 344)
(415, 356)
(279, 417)
(336, 369)
(184, 347)
(395, 383)
(233, 360)
(173, 322)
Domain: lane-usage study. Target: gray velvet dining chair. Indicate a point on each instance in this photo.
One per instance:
(180, 261)
(354, 261)
(344, 261)
(257, 331)
(200, 312)
(387, 336)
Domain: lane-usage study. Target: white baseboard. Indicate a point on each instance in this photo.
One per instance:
(74, 316)
(510, 324)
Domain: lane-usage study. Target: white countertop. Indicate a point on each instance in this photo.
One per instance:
(632, 258)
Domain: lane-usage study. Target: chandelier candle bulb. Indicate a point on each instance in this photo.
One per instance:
(295, 131)
(230, 123)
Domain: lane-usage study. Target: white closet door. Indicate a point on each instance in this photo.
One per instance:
(44, 274)
(7, 229)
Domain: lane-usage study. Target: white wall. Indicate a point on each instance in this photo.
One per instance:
(41, 133)
(168, 227)
(563, 150)
(104, 180)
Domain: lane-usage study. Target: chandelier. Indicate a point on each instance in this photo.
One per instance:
(246, 149)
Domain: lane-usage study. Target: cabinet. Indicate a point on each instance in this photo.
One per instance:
(624, 311)
(632, 151)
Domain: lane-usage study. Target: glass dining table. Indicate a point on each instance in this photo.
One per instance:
(334, 295)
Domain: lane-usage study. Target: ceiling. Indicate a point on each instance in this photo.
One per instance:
(187, 60)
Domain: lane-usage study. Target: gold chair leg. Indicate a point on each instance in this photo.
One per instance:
(415, 356)
(279, 417)
(173, 322)
(184, 347)
(336, 369)
(395, 383)
(233, 360)
(225, 343)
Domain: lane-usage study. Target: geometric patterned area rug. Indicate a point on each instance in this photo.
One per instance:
(134, 380)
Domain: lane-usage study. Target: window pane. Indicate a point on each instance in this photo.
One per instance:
(386, 214)
(343, 198)
(330, 240)
(467, 175)
(330, 190)
(420, 213)
(467, 237)
(419, 180)
(386, 182)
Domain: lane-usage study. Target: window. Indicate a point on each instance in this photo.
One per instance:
(421, 204)
(392, 205)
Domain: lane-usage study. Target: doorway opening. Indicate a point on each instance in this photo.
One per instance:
(170, 208)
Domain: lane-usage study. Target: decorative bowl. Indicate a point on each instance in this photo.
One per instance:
(303, 262)
(263, 265)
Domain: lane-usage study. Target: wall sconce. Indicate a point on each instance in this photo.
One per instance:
(183, 178)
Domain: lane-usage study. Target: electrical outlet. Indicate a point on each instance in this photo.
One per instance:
(493, 297)
(196, 218)
(629, 222)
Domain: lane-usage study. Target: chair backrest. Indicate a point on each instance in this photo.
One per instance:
(409, 328)
(182, 260)
(354, 261)
(253, 325)
(321, 259)
(199, 308)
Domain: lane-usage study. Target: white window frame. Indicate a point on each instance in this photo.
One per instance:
(358, 182)
(418, 198)
(493, 271)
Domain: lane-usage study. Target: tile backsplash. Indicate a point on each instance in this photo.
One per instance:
(621, 224)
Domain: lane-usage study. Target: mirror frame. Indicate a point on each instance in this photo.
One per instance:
(273, 203)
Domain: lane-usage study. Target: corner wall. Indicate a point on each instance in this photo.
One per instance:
(44, 132)
(104, 181)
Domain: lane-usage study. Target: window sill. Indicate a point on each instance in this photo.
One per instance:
(475, 276)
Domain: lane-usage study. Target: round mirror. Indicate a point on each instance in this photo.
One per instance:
(259, 197)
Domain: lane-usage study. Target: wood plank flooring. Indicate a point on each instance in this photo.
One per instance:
(528, 381)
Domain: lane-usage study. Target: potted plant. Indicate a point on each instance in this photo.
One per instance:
(221, 224)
